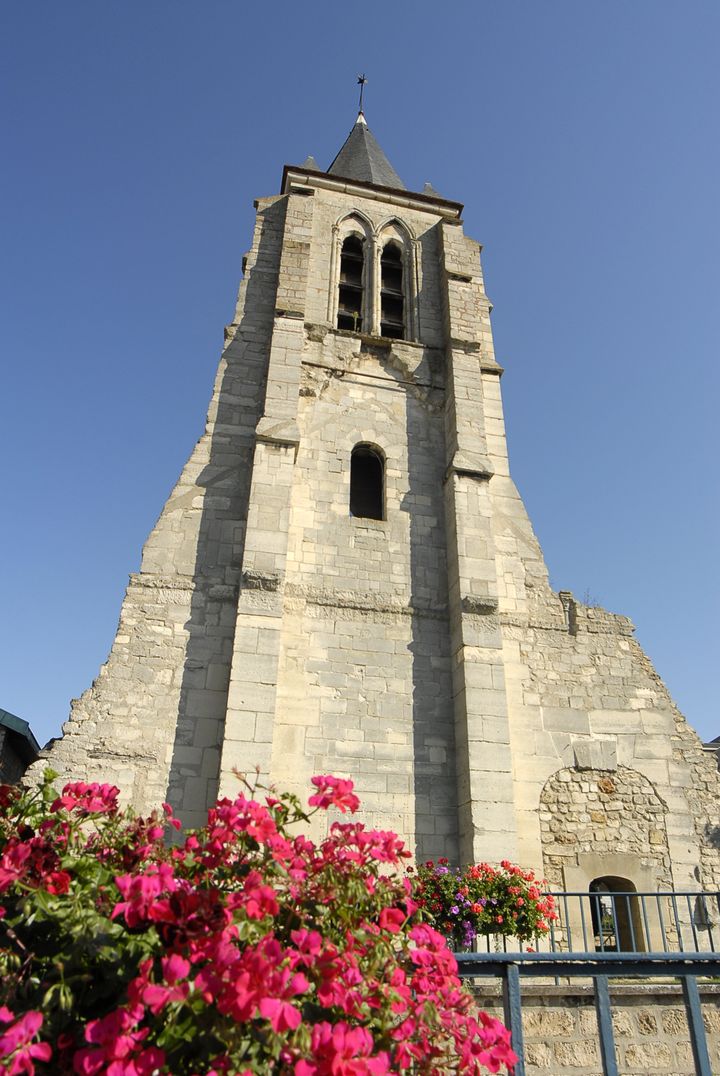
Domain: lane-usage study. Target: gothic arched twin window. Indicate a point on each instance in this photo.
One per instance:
(373, 286)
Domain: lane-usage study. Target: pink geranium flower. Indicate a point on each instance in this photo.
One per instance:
(17, 1050)
(88, 799)
(334, 792)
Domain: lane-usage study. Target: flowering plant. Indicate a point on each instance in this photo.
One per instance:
(246, 949)
(483, 900)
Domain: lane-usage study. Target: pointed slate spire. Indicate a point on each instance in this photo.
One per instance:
(361, 158)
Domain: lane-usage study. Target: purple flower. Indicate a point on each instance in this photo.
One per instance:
(454, 910)
(441, 870)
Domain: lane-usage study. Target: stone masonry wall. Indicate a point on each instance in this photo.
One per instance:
(649, 1025)
(609, 812)
(364, 684)
(586, 698)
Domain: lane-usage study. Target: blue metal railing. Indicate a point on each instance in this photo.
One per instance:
(600, 967)
(641, 936)
(632, 922)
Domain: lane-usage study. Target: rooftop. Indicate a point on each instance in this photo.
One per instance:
(361, 158)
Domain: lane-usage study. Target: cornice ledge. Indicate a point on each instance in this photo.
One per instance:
(269, 581)
(362, 601)
(474, 464)
(151, 581)
(479, 604)
(468, 346)
(278, 432)
(490, 366)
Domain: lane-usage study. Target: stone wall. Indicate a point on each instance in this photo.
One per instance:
(364, 678)
(587, 706)
(649, 1024)
(611, 813)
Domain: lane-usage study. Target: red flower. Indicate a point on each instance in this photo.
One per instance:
(17, 1050)
(391, 919)
(88, 799)
(334, 792)
(117, 1047)
(341, 1050)
(8, 793)
(256, 899)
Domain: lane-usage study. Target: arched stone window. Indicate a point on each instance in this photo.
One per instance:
(351, 288)
(392, 294)
(616, 916)
(367, 482)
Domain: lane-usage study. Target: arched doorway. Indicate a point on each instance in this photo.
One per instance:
(616, 916)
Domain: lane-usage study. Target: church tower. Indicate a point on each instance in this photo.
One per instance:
(344, 579)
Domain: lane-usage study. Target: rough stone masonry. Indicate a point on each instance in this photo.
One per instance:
(423, 654)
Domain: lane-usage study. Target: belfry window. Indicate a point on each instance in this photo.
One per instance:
(392, 314)
(350, 298)
(367, 483)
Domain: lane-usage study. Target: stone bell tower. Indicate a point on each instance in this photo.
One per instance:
(344, 578)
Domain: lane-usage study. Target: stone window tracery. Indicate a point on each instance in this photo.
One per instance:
(374, 278)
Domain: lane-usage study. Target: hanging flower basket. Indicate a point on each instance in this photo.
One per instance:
(504, 901)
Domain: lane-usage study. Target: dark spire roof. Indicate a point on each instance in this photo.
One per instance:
(361, 158)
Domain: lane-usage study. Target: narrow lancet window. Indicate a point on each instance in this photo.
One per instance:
(350, 298)
(392, 314)
(367, 483)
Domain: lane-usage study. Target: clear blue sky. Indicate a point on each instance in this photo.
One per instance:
(583, 139)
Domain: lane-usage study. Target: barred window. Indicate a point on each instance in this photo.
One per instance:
(392, 302)
(352, 284)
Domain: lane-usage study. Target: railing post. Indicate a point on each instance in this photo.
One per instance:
(605, 1027)
(512, 1006)
(696, 1026)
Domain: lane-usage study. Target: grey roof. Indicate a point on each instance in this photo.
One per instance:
(361, 158)
(25, 740)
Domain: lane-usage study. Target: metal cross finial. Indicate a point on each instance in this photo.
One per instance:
(361, 83)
